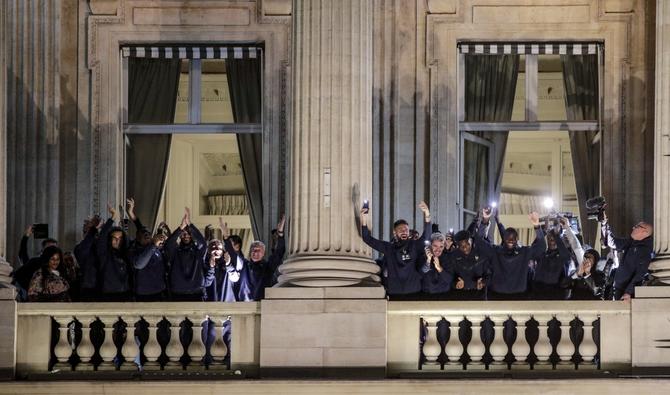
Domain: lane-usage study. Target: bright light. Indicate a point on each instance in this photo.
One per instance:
(494, 204)
(451, 230)
(548, 203)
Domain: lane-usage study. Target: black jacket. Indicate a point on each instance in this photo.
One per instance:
(189, 272)
(114, 265)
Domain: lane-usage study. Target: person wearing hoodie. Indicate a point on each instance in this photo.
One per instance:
(226, 284)
(401, 256)
(551, 269)
(113, 260)
(637, 252)
(189, 273)
(257, 272)
(49, 284)
(85, 254)
(510, 266)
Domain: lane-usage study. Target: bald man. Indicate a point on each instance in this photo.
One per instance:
(637, 254)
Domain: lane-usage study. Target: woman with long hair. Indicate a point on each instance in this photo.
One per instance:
(49, 284)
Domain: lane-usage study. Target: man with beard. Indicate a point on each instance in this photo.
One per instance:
(437, 277)
(401, 256)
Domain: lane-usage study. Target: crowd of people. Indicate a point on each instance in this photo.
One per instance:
(181, 265)
(469, 265)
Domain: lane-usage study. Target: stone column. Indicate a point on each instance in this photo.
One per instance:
(661, 265)
(331, 144)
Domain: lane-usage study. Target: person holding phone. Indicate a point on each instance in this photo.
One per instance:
(29, 266)
(401, 256)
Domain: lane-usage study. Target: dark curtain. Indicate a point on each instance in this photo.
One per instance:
(244, 83)
(580, 78)
(490, 84)
(152, 98)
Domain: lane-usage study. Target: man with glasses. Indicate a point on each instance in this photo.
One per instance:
(637, 252)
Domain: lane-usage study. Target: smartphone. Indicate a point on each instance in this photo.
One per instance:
(41, 231)
(366, 204)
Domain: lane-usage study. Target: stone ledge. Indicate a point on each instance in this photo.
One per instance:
(652, 292)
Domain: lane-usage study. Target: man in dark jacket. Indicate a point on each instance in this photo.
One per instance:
(189, 273)
(437, 277)
(114, 264)
(470, 266)
(84, 251)
(509, 268)
(150, 267)
(637, 254)
(551, 270)
(401, 256)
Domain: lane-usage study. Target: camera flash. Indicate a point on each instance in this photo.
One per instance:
(426, 242)
(494, 204)
(548, 202)
(451, 230)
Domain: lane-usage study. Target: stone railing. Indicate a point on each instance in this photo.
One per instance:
(507, 335)
(152, 338)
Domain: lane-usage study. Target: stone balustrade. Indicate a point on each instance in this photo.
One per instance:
(507, 335)
(146, 337)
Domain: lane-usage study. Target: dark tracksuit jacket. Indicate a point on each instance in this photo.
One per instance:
(150, 269)
(473, 266)
(634, 265)
(189, 272)
(587, 288)
(509, 268)
(434, 282)
(114, 269)
(88, 260)
(226, 284)
(256, 276)
(401, 260)
(552, 267)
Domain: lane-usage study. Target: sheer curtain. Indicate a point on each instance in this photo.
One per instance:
(244, 83)
(152, 98)
(580, 78)
(490, 84)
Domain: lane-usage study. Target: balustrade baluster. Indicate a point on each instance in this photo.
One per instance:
(476, 348)
(431, 347)
(85, 350)
(152, 350)
(174, 349)
(588, 348)
(521, 348)
(454, 348)
(498, 348)
(196, 350)
(565, 348)
(543, 346)
(219, 348)
(108, 348)
(63, 350)
(130, 348)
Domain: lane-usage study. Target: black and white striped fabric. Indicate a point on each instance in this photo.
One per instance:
(191, 52)
(529, 48)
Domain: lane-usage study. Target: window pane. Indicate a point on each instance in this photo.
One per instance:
(214, 93)
(181, 113)
(550, 89)
(475, 175)
(519, 110)
(490, 83)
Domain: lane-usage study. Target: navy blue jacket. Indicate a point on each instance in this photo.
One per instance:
(226, 286)
(434, 282)
(509, 269)
(150, 269)
(87, 259)
(634, 265)
(114, 269)
(401, 260)
(553, 265)
(189, 272)
(256, 276)
(472, 267)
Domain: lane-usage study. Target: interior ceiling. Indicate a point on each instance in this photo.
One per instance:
(223, 164)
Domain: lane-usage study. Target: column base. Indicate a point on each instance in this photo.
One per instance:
(328, 271)
(660, 270)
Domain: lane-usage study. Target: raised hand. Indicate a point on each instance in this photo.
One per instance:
(486, 214)
(112, 212)
(280, 225)
(226, 258)
(534, 218)
(29, 231)
(424, 208)
(187, 214)
(225, 232)
(130, 208)
(480, 283)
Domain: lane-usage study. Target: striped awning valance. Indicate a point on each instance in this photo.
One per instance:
(529, 48)
(191, 52)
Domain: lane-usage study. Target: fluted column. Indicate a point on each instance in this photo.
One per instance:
(662, 145)
(331, 143)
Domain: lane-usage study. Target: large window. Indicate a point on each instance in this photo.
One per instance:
(193, 133)
(529, 117)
